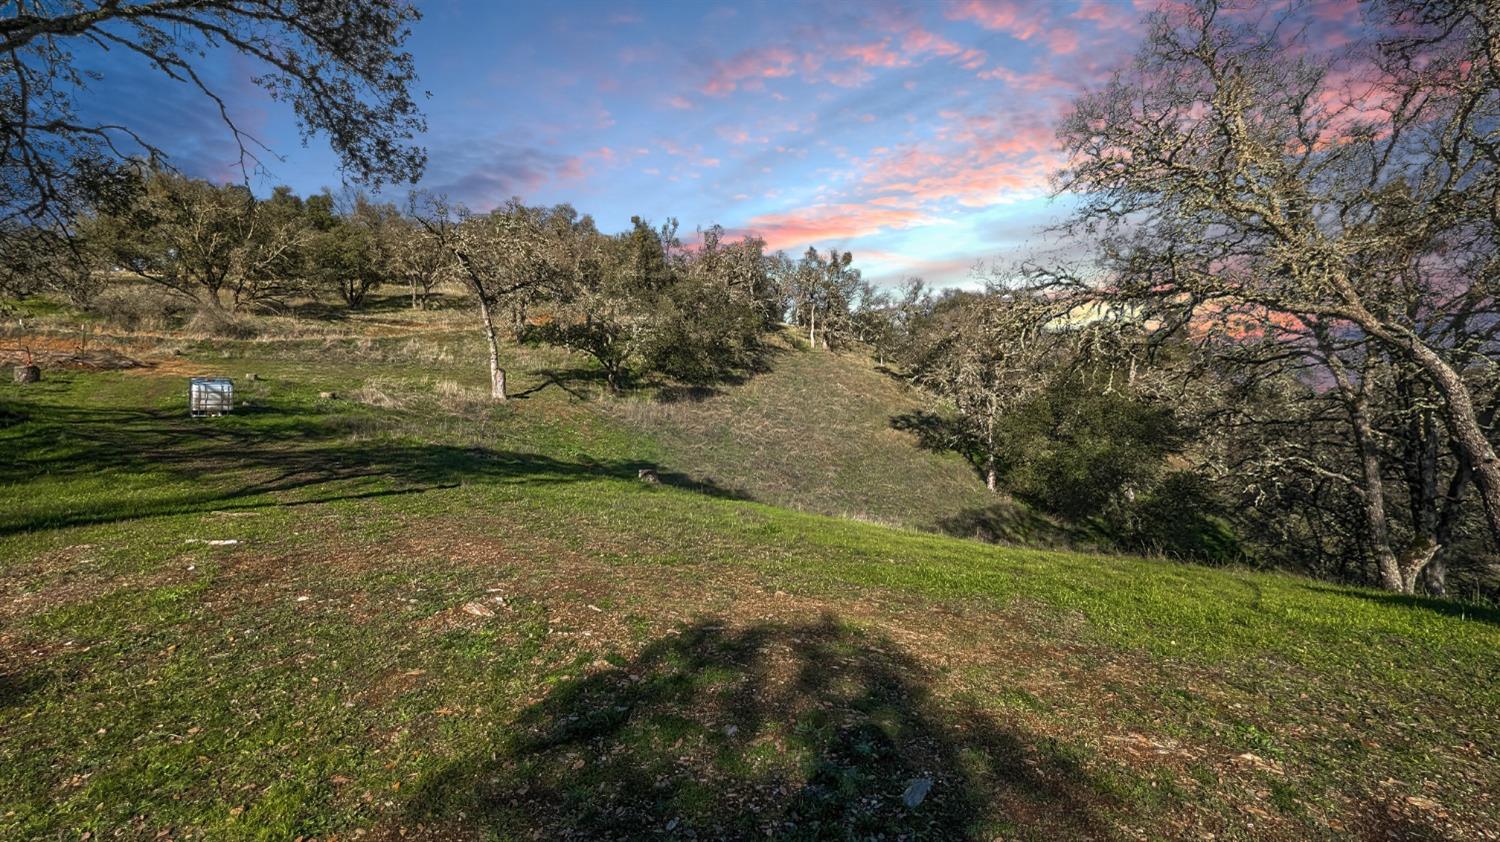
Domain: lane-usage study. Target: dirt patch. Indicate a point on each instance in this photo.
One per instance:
(58, 353)
(175, 367)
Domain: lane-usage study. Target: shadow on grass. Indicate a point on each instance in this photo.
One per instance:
(1447, 607)
(1010, 523)
(711, 380)
(16, 687)
(812, 730)
(266, 457)
(686, 394)
(570, 380)
(373, 304)
(937, 434)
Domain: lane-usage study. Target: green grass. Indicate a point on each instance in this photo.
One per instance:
(458, 620)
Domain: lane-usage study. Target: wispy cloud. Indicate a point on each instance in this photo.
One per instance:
(826, 224)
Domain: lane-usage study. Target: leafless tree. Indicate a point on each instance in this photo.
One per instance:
(1231, 173)
(986, 359)
(500, 256)
(417, 256)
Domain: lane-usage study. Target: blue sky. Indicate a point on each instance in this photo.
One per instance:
(917, 135)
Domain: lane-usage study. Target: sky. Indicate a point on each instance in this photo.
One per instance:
(919, 136)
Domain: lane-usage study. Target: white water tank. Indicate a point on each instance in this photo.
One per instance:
(210, 396)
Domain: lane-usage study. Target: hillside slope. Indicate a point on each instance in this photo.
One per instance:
(406, 613)
(814, 433)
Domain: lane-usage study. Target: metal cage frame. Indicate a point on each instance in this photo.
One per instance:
(210, 396)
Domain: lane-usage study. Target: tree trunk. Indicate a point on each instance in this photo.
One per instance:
(991, 474)
(1435, 575)
(497, 374)
(812, 330)
(1463, 419)
(1469, 435)
(1395, 575)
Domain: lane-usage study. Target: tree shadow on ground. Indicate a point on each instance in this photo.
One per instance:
(319, 311)
(16, 687)
(1009, 523)
(686, 394)
(374, 303)
(574, 381)
(811, 730)
(937, 434)
(270, 457)
(1446, 607)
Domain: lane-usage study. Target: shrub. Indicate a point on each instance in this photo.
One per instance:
(1182, 518)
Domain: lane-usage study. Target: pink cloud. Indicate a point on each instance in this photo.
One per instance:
(831, 222)
(1108, 15)
(972, 59)
(735, 136)
(974, 184)
(914, 265)
(907, 164)
(876, 55)
(846, 77)
(1017, 19)
(1031, 82)
(974, 159)
(749, 67)
(1061, 41)
(1337, 11)
(915, 39)
(680, 102)
(692, 154)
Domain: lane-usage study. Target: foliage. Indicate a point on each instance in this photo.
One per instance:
(982, 355)
(350, 249)
(638, 303)
(824, 293)
(1081, 451)
(1245, 201)
(339, 64)
(1182, 517)
(217, 246)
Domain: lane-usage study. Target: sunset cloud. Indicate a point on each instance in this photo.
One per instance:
(834, 223)
(1109, 15)
(877, 54)
(750, 67)
(1018, 19)
(895, 127)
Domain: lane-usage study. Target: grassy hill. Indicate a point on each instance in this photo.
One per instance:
(814, 433)
(403, 612)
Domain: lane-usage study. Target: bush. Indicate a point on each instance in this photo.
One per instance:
(134, 307)
(222, 325)
(703, 338)
(1081, 453)
(1181, 518)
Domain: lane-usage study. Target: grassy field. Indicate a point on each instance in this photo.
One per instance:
(406, 613)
